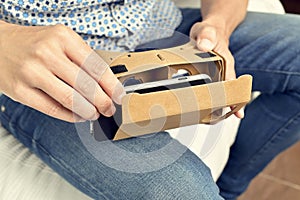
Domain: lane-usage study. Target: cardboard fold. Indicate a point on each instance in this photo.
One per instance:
(156, 111)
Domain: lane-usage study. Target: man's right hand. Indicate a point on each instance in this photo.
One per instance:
(51, 69)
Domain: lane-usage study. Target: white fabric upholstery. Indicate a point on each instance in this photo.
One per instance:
(23, 176)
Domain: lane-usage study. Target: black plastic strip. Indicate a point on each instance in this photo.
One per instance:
(205, 55)
(118, 69)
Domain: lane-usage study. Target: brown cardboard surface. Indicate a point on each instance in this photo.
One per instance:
(184, 56)
(157, 111)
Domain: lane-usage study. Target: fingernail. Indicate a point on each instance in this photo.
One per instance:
(120, 97)
(110, 111)
(118, 93)
(205, 45)
(242, 113)
(96, 116)
(81, 120)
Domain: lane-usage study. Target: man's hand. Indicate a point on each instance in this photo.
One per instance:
(52, 70)
(220, 18)
(212, 36)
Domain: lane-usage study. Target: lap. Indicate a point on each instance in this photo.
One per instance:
(136, 168)
(266, 46)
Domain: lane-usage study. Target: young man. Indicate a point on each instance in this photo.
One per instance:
(40, 66)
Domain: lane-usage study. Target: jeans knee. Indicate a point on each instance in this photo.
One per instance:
(185, 187)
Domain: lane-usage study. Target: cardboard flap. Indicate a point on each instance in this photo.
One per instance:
(149, 113)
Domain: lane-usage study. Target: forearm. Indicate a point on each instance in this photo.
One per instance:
(226, 14)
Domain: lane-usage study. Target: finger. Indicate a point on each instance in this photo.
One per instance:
(240, 113)
(85, 85)
(229, 63)
(205, 44)
(206, 38)
(82, 55)
(95, 66)
(68, 97)
(38, 100)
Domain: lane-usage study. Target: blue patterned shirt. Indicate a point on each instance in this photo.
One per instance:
(103, 24)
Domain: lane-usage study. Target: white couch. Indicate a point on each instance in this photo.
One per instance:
(24, 176)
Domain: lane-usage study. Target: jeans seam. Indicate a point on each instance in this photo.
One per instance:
(269, 112)
(17, 111)
(288, 77)
(67, 169)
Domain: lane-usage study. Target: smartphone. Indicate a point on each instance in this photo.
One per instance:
(169, 84)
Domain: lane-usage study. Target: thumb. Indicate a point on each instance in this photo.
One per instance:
(207, 38)
(205, 44)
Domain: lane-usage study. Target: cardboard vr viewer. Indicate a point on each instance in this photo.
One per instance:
(170, 88)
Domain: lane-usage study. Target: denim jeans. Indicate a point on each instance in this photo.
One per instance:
(265, 46)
